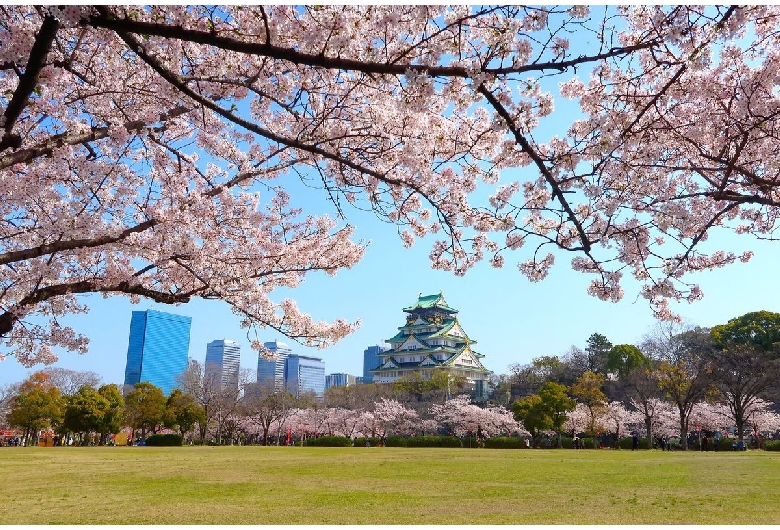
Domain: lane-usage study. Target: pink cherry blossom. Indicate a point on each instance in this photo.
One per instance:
(144, 150)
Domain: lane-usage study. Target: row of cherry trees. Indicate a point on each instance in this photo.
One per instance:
(273, 417)
(619, 420)
(387, 417)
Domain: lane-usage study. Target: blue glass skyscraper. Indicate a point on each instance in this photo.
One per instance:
(157, 349)
(305, 375)
(371, 360)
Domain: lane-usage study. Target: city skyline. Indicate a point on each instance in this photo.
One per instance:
(574, 314)
(515, 320)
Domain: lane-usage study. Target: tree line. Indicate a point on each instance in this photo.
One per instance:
(720, 377)
(735, 365)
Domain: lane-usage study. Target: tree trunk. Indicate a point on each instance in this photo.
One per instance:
(649, 426)
(739, 420)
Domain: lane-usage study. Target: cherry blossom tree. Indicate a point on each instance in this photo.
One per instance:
(143, 149)
(650, 409)
(393, 417)
(460, 416)
(577, 420)
(616, 418)
(708, 417)
(342, 422)
(762, 417)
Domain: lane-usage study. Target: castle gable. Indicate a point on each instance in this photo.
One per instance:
(411, 344)
(466, 358)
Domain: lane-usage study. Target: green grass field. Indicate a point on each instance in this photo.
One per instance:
(293, 485)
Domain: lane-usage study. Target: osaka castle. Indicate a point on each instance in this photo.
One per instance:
(432, 339)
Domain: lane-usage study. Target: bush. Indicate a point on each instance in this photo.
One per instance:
(772, 445)
(165, 440)
(396, 441)
(329, 441)
(504, 442)
(724, 444)
(361, 442)
(627, 442)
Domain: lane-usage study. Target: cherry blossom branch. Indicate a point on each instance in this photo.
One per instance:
(66, 245)
(111, 21)
(41, 294)
(25, 156)
(27, 81)
(557, 193)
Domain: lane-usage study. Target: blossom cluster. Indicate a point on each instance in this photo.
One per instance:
(144, 149)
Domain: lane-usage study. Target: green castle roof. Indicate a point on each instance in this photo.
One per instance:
(429, 301)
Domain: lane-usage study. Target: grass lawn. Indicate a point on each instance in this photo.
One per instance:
(294, 485)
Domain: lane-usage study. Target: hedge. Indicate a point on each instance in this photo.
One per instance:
(772, 445)
(424, 441)
(167, 440)
(395, 441)
(504, 442)
(329, 441)
(361, 442)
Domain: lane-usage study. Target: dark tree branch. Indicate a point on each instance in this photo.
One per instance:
(557, 193)
(59, 246)
(28, 81)
(108, 20)
(25, 156)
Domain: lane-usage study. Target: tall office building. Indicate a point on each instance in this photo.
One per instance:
(371, 360)
(305, 375)
(223, 359)
(273, 369)
(339, 380)
(157, 349)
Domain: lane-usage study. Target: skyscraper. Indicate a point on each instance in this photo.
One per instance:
(157, 348)
(370, 361)
(339, 380)
(305, 375)
(273, 369)
(223, 359)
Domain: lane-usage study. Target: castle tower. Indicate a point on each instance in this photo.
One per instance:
(432, 339)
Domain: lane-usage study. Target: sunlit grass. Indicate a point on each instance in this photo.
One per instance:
(293, 485)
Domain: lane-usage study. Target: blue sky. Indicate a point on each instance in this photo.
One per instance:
(511, 319)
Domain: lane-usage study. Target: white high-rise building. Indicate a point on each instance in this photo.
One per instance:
(273, 369)
(223, 359)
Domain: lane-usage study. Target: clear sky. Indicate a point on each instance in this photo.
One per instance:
(511, 319)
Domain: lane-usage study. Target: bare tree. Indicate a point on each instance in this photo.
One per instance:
(70, 381)
(265, 406)
(685, 371)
